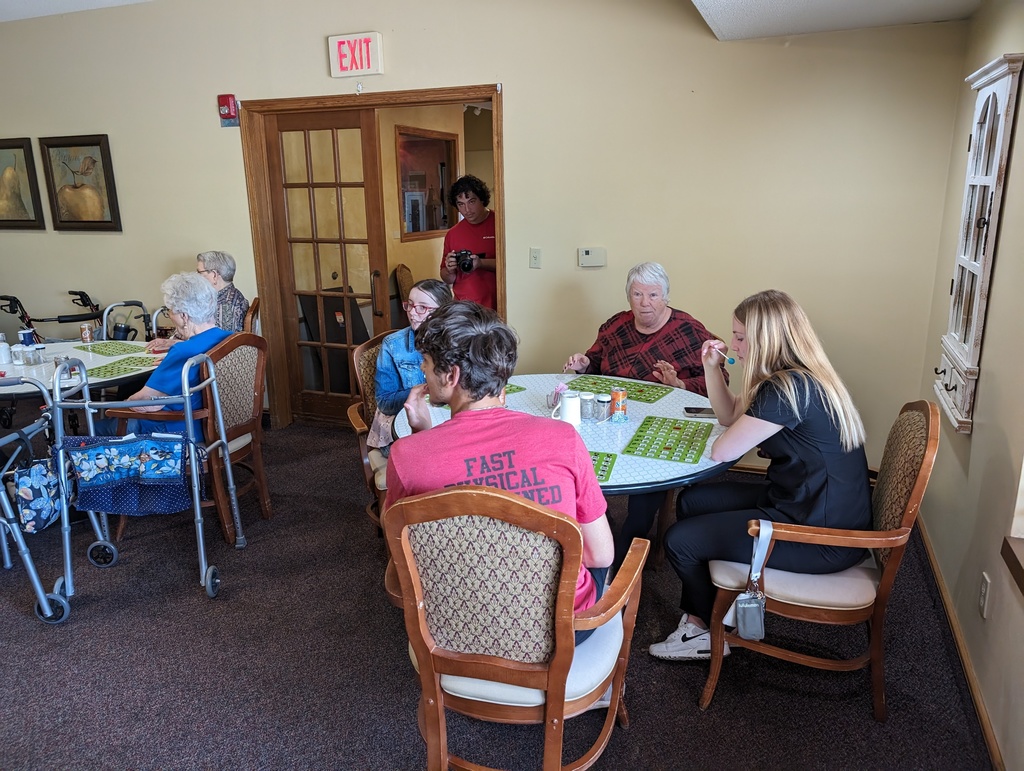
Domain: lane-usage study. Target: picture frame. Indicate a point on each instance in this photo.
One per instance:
(20, 205)
(80, 182)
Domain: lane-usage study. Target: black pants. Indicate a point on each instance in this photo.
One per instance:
(713, 526)
(641, 511)
(600, 576)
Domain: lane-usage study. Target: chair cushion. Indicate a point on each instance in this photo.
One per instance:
(592, 662)
(848, 589)
(379, 467)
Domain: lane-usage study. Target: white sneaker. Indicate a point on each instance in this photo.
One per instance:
(689, 641)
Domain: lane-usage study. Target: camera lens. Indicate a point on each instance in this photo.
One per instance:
(465, 259)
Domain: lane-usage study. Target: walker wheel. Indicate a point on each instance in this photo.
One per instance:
(103, 554)
(212, 582)
(60, 588)
(59, 609)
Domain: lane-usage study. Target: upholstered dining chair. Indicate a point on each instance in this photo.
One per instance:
(251, 322)
(489, 580)
(240, 363)
(403, 278)
(375, 465)
(859, 594)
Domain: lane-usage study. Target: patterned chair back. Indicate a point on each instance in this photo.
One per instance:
(240, 363)
(904, 471)
(365, 359)
(489, 587)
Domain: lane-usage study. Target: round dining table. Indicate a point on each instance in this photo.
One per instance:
(108, 364)
(619, 470)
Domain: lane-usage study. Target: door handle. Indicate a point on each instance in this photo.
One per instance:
(373, 293)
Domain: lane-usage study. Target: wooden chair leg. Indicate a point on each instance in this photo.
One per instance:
(221, 499)
(723, 599)
(262, 488)
(122, 523)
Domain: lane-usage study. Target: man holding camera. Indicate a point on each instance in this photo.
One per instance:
(469, 263)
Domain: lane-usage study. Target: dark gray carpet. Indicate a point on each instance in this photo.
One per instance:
(301, 662)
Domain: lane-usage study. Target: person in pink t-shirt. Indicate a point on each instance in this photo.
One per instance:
(468, 357)
(474, 233)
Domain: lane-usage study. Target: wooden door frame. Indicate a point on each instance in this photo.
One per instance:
(253, 117)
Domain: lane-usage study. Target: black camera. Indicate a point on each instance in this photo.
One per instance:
(465, 260)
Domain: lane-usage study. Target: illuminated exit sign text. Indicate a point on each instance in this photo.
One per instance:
(355, 54)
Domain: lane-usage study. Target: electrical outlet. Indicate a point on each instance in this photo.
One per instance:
(983, 595)
(535, 257)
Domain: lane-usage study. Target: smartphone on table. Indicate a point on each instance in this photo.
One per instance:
(699, 412)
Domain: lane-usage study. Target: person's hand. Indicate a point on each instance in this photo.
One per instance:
(417, 409)
(577, 363)
(159, 345)
(451, 262)
(667, 374)
(713, 354)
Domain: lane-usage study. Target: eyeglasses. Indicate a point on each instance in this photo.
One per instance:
(416, 307)
(211, 270)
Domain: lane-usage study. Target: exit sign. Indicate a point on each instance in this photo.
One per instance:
(355, 54)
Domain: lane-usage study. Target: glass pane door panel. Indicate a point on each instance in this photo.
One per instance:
(304, 267)
(297, 205)
(338, 371)
(350, 155)
(325, 204)
(353, 208)
(312, 369)
(331, 275)
(358, 258)
(293, 156)
(321, 153)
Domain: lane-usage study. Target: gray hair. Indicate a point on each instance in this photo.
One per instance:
(192, 294)
(647, 273)
(221, 262)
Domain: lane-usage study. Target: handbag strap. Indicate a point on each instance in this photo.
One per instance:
(27, 457)
(760, 551)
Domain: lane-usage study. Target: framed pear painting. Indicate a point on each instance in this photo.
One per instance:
(80, 182)
(20, 207)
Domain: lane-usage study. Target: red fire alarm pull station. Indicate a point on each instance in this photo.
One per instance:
(227, 106)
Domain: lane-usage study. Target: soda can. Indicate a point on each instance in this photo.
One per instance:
(86, 332)
(26, 337)
(619, 405)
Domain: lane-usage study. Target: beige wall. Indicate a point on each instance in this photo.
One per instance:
(974, 489)
(819, 164)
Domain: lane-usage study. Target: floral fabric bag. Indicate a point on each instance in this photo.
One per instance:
(36, 491)
(136, 474)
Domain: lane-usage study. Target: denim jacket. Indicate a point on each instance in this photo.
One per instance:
(398, 370)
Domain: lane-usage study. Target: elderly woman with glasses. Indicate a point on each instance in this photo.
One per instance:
(218, 268)
(192, 303)
(398, 363)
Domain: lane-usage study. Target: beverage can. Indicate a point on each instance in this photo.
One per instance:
(86, 332)
(619, 405)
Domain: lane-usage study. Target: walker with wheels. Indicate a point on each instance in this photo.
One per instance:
(126, 461)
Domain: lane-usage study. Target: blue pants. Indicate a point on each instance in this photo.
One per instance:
(600, 576)
(712, 525)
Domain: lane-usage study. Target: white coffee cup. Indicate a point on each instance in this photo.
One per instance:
(568, 408)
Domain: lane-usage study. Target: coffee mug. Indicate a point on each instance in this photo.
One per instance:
(568, 408)
(122, 332)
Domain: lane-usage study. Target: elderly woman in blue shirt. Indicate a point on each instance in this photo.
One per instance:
(192, 303)
(398, 363)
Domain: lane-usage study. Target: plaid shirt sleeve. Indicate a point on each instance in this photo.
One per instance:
(621, 351)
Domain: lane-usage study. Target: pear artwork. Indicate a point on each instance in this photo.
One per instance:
(12, 205)
(81, 202)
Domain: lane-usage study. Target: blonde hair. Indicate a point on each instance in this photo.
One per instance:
(782, 348)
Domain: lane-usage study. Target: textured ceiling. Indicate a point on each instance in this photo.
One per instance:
(744, 19)
(11, 10)
(728, 19)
